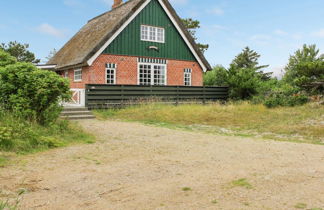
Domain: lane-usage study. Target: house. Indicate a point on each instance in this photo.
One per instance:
(139, 42)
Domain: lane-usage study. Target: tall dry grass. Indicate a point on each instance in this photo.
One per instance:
(301, 124)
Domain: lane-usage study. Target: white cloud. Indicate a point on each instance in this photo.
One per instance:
(319, 33)
(179, 1)
(212, 29)
(280, 32)
(278, 71)
(216, 11)
(261, 39)
(46, 28)
(297, 36)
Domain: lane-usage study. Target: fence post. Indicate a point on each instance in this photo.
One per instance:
(122, 95)
(86, 95)
(177, 97)
(204, 95)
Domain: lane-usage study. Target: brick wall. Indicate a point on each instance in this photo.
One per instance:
(126, 73)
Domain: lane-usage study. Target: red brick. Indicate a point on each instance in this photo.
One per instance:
(126, 73)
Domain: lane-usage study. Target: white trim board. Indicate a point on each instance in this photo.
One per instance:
(183, 36)
(111, 39)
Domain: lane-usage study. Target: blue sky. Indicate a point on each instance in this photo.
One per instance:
(275, 28)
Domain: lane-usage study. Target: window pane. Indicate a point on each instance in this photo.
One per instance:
(160, 35)
(159, 75)
(145, 74)
(110, 73)
(144, 32)
(152, 33)
(78, 75)
(187, 77)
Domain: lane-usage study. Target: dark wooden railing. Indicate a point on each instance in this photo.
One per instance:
(108, 96)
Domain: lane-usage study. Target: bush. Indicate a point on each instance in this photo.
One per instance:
(217, 77)
(6, 59)
(285, 96)
(244, 83)
(31, 93)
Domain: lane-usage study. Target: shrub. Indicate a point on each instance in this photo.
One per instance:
(31, 93)
(244, 83)
(6, 59)
(22, 136)
(285, 96)
(217, 77)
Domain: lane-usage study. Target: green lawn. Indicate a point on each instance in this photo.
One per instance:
(298, 124)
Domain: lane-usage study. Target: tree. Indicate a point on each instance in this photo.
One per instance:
(51, 54)
(192, 26)
(305, 66)
(20, 52)
(6, 59)
(244, 83)
(245, 75)
(217, 77)
(249, 59)
(309, 76)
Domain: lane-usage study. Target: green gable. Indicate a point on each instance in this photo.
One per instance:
(129, 41)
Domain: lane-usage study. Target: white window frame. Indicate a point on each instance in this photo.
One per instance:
(152, 73)
(66, 74)
(187, 74)
(112, 67)
(155, 38)
(76, 79)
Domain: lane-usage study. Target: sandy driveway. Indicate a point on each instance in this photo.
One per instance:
(133, 166)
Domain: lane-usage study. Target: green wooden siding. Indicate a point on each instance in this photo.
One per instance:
(129, 40)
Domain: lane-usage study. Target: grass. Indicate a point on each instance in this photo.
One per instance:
(5, 205)
(297, 124)
(214, 201)
(185, 189)
(22, 137)
(13, 204)
(300, 206)
(241, 183)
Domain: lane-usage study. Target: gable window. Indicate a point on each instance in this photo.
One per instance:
(152, 34)
(187, 77)
(111, 73)
(151, 74)
(78, 75)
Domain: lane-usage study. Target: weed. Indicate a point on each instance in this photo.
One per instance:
(300, 206)
(3, 161)
(185, 189)
(241, 183)
(214, 201)
(246, 204)
(7, 205)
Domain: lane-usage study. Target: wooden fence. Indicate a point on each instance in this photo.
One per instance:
(108, 96)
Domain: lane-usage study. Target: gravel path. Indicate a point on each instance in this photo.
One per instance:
(134, 166)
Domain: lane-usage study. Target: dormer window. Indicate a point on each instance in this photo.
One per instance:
(152, 34)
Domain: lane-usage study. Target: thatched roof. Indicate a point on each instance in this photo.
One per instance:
(98, 30)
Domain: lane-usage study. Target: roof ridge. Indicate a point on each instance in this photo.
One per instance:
(110, 10)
